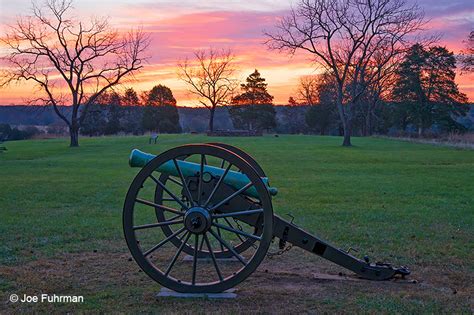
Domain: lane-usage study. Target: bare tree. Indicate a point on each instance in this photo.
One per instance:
(466, 57)
(307, 90)
(71, 63)
(310, 87)
(343, 37)
(377, 89)
(209, 77)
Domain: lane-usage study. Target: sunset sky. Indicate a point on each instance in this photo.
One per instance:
(178, 28)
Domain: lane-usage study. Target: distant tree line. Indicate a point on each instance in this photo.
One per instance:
(418, 96)
(153, 111)
(156, 111)
(253, 109)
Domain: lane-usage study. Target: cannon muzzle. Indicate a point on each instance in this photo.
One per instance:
(234, 179)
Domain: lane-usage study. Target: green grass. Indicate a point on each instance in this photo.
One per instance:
(407, 203)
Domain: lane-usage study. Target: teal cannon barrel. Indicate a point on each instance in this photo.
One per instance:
(235, 179)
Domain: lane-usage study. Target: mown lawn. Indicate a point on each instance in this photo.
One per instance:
(410, 204)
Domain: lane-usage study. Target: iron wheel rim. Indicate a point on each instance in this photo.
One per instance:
(184, 286)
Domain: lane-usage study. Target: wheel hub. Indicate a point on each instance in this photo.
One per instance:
(197, 220)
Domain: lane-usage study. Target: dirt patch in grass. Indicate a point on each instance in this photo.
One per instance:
(285, 284)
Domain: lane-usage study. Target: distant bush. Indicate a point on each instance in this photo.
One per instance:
(5, 131)
(8, 133)
(56, 129)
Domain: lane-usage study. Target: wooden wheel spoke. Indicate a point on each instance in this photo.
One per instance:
(186, 188)
(217, 185)
(201, 171)
(152, 225)
(237, 213)
(171, 179)
(230, 224)
(202, 244)
(155, 205)
(233, 195)
(219, 233)
(175, 198)
(175, 217)
(213, 257)
(163, 242)
(255, 237)
(229, 247)
(187, 235)
(196, 244)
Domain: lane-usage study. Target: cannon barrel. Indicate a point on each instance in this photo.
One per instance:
(234, 179)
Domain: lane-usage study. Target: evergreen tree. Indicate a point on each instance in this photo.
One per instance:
(426, 91)
(114, 113)
(254, 91)
(253, 109)
(131, 114)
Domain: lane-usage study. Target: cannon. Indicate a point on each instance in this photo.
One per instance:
(213, 202)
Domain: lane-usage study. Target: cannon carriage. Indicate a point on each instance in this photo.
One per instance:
(213, 202)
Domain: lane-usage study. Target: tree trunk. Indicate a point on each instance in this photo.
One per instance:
(348, 127)
(211, 120)
(344, 119)
(368, 125)
(347, 138)
(324, 127)
(74, 134)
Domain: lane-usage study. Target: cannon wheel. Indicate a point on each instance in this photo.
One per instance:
(159, 262)
(223, 252)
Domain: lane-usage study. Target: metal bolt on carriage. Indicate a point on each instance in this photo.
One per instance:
(213, 203)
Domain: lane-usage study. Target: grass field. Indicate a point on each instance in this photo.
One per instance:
(410, 204)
